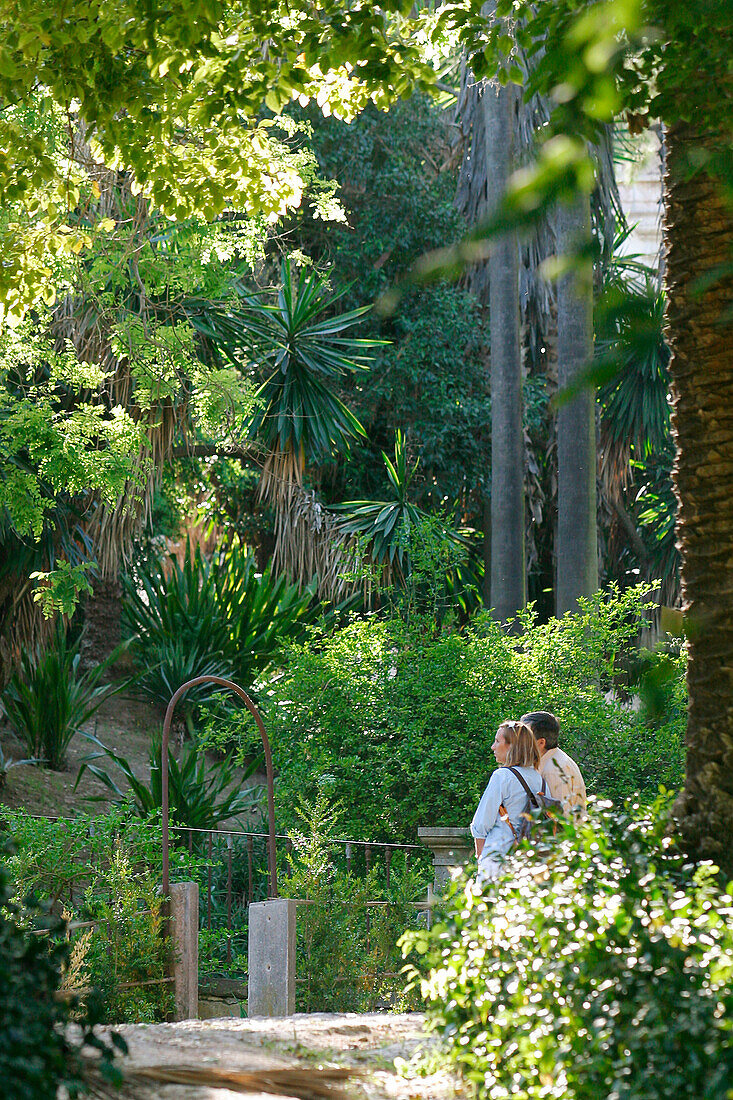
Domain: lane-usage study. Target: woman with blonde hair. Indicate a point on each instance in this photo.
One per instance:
(511, 789)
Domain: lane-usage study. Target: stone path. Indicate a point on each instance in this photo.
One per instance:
(391, 1050)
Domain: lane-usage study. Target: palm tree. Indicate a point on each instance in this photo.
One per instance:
(577, 537)
(699, 234)
(635, 479)
(478, 185)
(508, 592)
(305, 346)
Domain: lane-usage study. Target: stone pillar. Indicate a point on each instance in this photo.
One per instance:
(451, 850)
(184, 906)
(271, 958)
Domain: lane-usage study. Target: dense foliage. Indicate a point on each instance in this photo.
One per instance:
(37, 1055)
(175, 98)
(396, 172)
(348, 959)
(208, 617)
(103, 869)
(599, 966)
(402, 720)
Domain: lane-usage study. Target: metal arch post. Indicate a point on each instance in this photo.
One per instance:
(271, 852)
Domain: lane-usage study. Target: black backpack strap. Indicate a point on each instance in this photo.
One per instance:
(528, 789)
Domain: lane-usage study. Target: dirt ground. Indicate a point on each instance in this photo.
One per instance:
(124, 723)
(393, 1055)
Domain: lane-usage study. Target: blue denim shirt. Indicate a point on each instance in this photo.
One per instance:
(503, 788)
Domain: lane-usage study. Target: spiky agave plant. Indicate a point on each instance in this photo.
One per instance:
(305, 347)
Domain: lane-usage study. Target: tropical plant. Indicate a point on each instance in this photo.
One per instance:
(304, 347)
(599, 965)
(171, 663)
(38, 1051)
(262, 611)
(408, 556)
(385, 523)
(201, 794)
(216, 616)
(49, 699)
(636, 440)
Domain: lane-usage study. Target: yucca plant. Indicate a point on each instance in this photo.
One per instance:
(165, 600)
(308, 348)
(175, 662)
(219, 617)
(201, 794)
(261, 611)
(49, 699)
(385, 523)
(172, 615)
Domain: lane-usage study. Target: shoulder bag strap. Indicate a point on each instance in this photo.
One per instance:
(524, 783)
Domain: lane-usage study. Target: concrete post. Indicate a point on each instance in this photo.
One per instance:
(451, 850)
(271, 958)
(185, 945)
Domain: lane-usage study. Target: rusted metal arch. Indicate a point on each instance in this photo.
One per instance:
(271, 852)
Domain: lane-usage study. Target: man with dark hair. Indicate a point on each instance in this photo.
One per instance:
(561, 773)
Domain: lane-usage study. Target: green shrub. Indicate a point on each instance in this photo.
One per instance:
(220, 617)
(48, 700)
(403, 720)
(127, 946)
(37, 1055)
(57, 859)
(348, 959)
(104, 869)
(598, 968)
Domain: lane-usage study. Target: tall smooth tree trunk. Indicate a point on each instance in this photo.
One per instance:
(508, 572)
(577, 537)
(699, 238)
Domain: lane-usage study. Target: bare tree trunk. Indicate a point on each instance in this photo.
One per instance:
(577, 538)
(699, 237)
(508, 573)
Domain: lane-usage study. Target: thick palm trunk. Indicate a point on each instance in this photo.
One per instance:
(699, 236)
(577, 538)
(508, 574)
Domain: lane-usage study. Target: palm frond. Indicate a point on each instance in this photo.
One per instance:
(308, 348)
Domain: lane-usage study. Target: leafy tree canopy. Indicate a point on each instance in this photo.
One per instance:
(175, 96)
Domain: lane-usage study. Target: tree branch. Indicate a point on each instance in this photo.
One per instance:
(629, 527)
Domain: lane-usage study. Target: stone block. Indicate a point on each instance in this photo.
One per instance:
(451, 850)
(184, 908)
(271, 958)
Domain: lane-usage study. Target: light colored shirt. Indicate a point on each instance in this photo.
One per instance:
(564, 780)
(503, 788)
